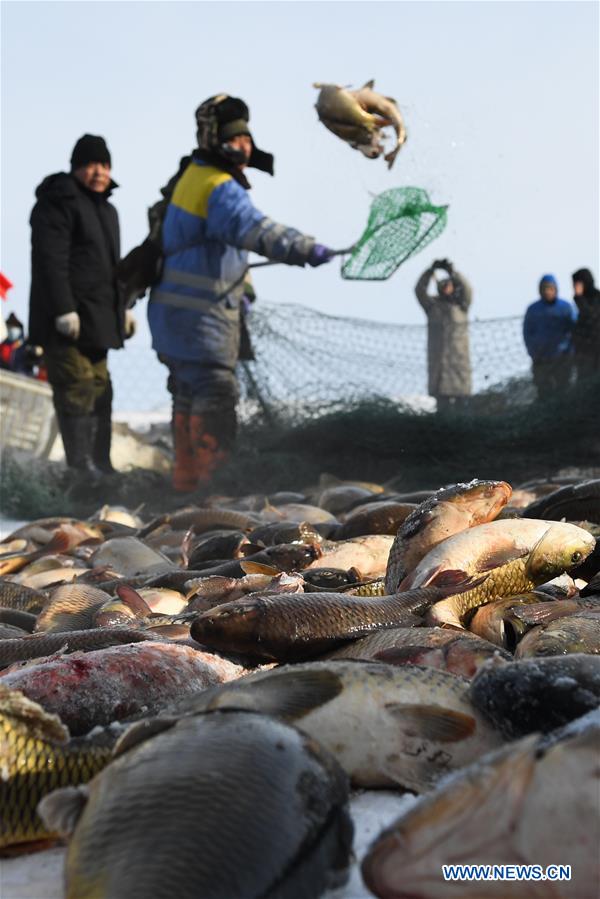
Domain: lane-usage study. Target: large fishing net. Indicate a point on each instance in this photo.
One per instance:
(348, 397)
(402, 221)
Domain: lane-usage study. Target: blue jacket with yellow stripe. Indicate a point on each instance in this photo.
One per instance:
(209, 227)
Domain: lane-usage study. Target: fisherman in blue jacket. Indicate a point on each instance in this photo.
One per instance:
(547, 329)
(195, 309)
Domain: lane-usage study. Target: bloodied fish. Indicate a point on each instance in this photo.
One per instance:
(94, 688)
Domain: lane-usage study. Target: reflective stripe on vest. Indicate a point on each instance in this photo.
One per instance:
(197, 304)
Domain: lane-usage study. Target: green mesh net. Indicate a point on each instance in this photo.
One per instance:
(402, 221)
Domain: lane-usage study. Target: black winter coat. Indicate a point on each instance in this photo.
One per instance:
(75, 246)
(586, 336)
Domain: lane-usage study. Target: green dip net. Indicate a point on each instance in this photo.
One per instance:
(402, 221)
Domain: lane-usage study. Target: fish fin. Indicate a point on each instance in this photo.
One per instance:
(502, 557)
(141, 731)
(433, 722)
(132, 598)
(273, 510)
(249, 549)
(40, 724)
(186, 545)
(369, 84)
(544, 612)
(452, 579)
(408, 581)
(288, 694)
(61, 809)
(59, 544)
(258, 568)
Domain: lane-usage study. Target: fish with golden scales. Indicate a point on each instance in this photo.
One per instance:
(514, 555)
(36, 757)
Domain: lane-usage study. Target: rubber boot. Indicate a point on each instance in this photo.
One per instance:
(184, 468)
(103, 437)
(208, 455)
(78, 432)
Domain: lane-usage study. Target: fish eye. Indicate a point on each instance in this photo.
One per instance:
(576, 557)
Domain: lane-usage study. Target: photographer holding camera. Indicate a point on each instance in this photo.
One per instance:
(448, 357)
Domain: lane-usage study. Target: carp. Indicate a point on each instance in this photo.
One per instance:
(541, 694)
(516, 555)
(519, 805)
(386, 726)
(448, 511)
(357, 117)
(289, 627)
(222, 805)
(87, 689)
(36, 757)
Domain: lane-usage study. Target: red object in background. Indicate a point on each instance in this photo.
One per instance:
(5, 285)
(6, 352)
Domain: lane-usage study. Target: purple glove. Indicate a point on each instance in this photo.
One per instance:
(319, 254)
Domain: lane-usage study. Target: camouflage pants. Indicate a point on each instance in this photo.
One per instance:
(79, 378)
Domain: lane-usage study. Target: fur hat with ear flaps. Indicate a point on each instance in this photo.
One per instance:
(221, 118)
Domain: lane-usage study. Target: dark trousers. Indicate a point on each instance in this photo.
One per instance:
(587, 365)
(82, 390)
(551, 376)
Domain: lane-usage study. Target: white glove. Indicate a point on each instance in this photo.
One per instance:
(130, 324)
(68, 324)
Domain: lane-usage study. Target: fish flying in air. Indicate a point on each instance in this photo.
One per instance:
(358, 116)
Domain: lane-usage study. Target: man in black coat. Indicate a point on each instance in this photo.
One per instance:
(76, 309)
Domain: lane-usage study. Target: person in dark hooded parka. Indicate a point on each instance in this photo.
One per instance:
(76, 311)
(586, 335)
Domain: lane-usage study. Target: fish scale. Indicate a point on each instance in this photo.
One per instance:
(294, 626)
(507, 580)
(30, 768)
(20, 597)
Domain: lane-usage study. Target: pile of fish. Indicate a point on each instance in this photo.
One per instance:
(214, 683)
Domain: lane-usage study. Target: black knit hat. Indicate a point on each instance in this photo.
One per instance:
(89, 148)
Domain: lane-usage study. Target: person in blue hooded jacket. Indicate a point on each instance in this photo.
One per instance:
(195, 310)
(547, 331)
